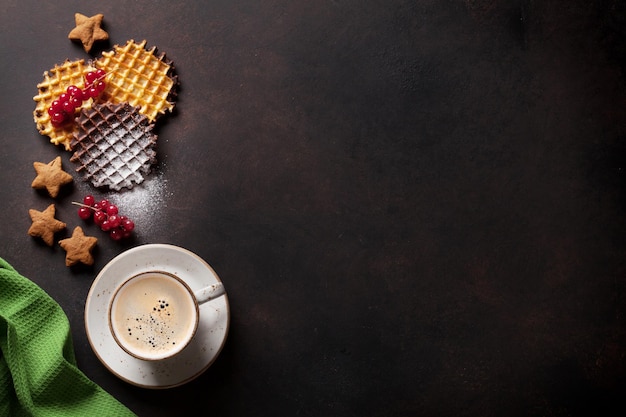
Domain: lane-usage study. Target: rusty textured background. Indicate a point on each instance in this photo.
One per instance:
(417, 207)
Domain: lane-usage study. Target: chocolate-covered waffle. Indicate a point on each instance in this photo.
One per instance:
(114, 145)
(138, 76)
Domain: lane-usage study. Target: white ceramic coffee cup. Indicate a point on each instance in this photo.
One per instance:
(154, 315)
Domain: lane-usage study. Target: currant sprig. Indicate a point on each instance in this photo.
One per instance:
(62, 110)
(106, 215)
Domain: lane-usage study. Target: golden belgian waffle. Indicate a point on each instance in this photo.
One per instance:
(55, 82)
(113, 145)
(139, 77)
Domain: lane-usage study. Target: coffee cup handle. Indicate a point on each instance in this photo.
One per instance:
(208, 293)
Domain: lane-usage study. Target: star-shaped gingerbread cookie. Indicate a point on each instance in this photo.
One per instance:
(88, 30)
(78, 247)
(44, 224)
(51, 176)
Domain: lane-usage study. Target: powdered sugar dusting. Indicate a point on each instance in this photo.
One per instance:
(146, 203)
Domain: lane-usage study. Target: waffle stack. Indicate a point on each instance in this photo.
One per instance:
(111, 138)
(114, 145)
(55, 82)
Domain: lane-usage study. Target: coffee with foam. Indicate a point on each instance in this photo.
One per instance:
(153, 315)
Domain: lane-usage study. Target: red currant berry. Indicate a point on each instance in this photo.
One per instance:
(128, 225)
(99, 86)
(90, 77)
(57, 106)
(115, 221)
(100, 73)
(92, 92)
(116, 234)
(76, 102)
(99, 217)
(64, 97)
(75, 92)
(84, 213)
(89, 200)
(111, 209)
(68, 107)
(105, 226)
(58, 118)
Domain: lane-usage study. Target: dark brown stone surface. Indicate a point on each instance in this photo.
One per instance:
(417, 207)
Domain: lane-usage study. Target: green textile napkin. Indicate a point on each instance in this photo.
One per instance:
(38, 372)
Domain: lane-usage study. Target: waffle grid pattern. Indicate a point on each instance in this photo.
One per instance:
(55, 82)
(114, 145)
(139, 77)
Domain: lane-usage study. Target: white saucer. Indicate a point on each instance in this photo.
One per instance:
(197, 356)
